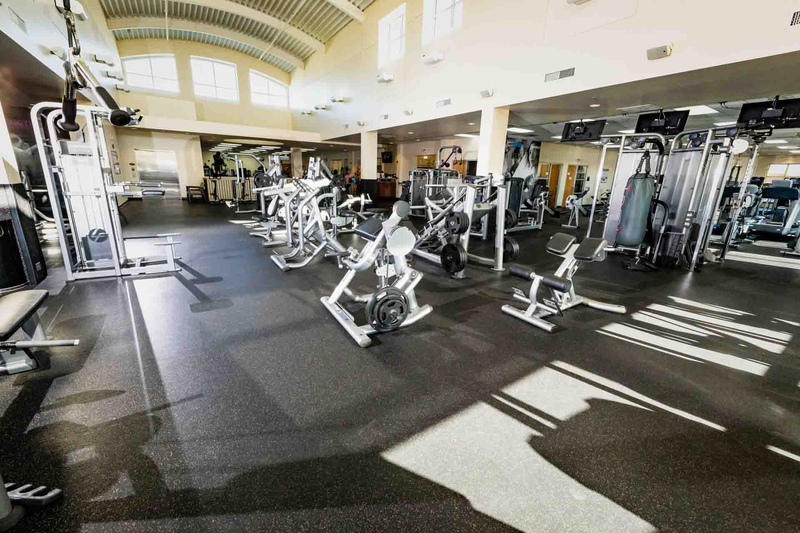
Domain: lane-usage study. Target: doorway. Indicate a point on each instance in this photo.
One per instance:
(569, 184)
(551, 172)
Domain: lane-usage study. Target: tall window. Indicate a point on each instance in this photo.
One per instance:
(156, 71)
(215, 79)
(392, 36)
(440, 17)
(266, 91)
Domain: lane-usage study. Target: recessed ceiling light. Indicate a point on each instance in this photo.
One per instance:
(732, 123)
(471, 123)
(464, 135)
(788, 147)
(596, 142)
(330, 145)
(775, 141)
(795, 152)
(698, 110)
(594, 105)
(626, 131)
(519, 130)
(581, 120)
(557, 137)
(411, 133)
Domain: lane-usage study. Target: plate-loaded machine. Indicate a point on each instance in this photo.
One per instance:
(561, 284)
(307, 218)
(394, 305)
(445, 238)
(84, 196)
(425, 184)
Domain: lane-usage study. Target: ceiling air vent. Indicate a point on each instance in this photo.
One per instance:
(559, 75)
(639, 108)
(384, 117)
(795, 19)
(445, 102)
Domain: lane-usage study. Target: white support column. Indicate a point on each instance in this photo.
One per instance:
(9, 171)
(369, 155)
(492, 146)
(297, 162)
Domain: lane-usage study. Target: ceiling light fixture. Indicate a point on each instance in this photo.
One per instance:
(586, 120)
(556, 136)
(723, 124)
(695, 110)
(471, 123)
(411, 133)
(626, 132)
(788, 147)
(514, 129)
(465, 135)
(795, 152)
(775, 141)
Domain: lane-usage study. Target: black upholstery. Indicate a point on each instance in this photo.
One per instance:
(16, 308)
(560, 243)
(780, 193)
(591, 250)
(370, 228)
(557, 283)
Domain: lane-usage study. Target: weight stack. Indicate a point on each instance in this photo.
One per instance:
(22, 262)
(514, 191)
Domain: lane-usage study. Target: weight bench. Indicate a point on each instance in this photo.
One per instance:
(560, 284)
(18, 311)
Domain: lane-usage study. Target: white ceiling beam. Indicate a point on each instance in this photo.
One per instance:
(201, 27)
(348, 9)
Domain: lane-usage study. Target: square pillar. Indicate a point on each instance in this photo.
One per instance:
(492, 143)
(369, 155)
(297, 162)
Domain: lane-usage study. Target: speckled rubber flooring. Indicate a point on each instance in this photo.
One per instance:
(226, 398)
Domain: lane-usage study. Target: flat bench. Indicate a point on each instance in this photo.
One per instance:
(18, 311)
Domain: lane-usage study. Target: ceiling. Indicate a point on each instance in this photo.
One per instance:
(283, 33)
(209, 141)
(429, 129)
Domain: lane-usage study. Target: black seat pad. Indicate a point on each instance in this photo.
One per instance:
(370, 228)
(16, 308)
(591, 250)
(560, 243)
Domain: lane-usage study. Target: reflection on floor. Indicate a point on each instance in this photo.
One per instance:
(225, 398)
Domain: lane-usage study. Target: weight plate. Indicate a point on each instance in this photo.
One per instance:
(457, 223)
(511, 218)
(510, 250)
(454, 258)
(387, 309)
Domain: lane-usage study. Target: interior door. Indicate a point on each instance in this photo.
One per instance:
(554, 175)
(569, 185)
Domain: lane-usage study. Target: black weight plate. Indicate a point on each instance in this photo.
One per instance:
(387, 309)
(454, 258)
(457, 223)
(511, 218)
(510, 250)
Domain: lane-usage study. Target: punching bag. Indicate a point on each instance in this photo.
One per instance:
(639, 192)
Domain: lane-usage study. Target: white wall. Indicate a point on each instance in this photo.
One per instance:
(186, 105)
(186, 147)
(510, 45)
(45, 29)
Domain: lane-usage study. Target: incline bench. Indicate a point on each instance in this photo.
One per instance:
(18, 311)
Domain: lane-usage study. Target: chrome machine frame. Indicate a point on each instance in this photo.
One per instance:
(83, 183)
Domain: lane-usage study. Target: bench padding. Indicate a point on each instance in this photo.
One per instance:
(559, 243)
(591, 250)
(16, 308)
(370, 228)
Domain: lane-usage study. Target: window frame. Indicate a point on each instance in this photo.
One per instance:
(149, 57)
(270, 80)
(431, 15)
(215, 86)
(385, 38)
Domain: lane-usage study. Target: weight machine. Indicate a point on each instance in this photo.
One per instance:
(394, 305)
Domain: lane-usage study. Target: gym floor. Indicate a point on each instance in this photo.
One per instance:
(226, 398)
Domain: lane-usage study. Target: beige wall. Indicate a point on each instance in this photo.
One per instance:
(763, 163)
(186, 147)
(185, 105)
(510, 45)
